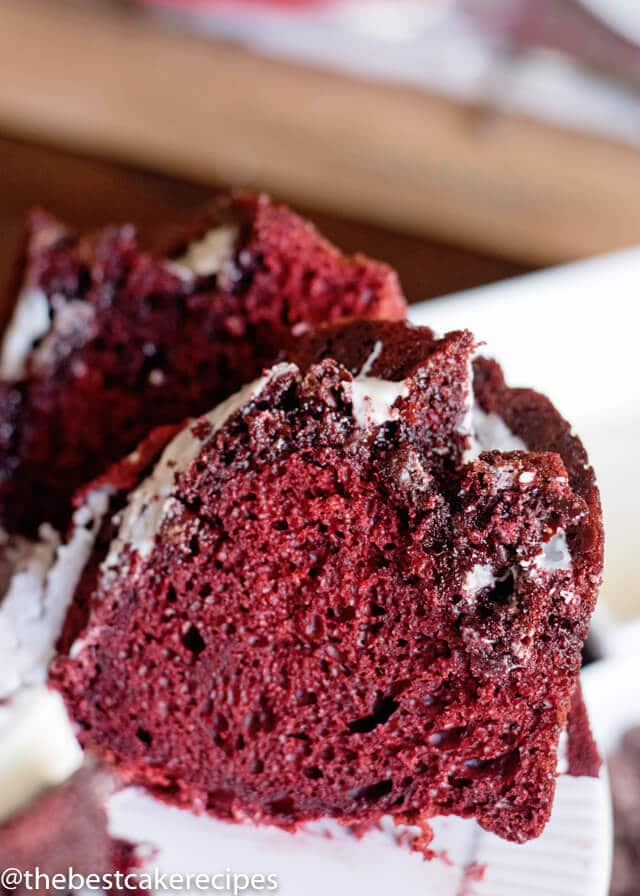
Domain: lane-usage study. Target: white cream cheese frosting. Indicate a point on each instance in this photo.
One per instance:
(38, 748)
(465, 425)
(373, 399)
(34, 607)
(484, 432)
(209, 254)
(31, 320)
(489, 432)
(479, 577)
(555, 553)
(151, 501)
(365, 370)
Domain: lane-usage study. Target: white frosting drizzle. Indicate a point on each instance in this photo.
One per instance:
(365, 370)
(152, 500)
(562, 767)
(553, 556)
(35, 605)
(30, 321)
(209, 255)
(38, 748)
(555, 553)
(466, 427)
(489, 432)
(479, 577)
(373, 399)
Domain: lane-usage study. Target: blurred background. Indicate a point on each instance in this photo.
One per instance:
(462, 141)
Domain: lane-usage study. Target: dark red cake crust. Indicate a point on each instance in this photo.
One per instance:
(136, 341)
(303, 640)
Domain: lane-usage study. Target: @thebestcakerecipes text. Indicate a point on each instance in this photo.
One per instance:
(228, 882)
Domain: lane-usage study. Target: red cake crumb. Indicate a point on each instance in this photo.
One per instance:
(474, 873)
(583, 758)
(126, 340)
(331, 599)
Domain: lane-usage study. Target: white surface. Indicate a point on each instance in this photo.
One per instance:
(623, 15)
(571, 858)
(610, 690)
(38, 748)
(572, 333)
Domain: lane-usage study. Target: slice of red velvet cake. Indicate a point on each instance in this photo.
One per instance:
(109, 341)
(353, 589)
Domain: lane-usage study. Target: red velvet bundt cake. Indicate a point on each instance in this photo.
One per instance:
(350, 590)
(109, 341)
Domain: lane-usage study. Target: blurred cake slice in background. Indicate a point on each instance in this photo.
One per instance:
(52, 799)
(108, 341)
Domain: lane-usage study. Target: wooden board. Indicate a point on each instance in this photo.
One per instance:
(89, 193)
(117, 84)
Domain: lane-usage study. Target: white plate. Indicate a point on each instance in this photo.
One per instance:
(610, 690)
(623, 15)
(571, 858)
(569, 332)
